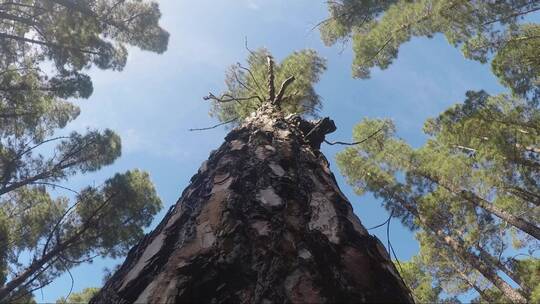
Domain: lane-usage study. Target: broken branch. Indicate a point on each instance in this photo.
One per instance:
(284, 86)
(271, 78)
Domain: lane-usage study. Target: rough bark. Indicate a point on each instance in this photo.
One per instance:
(263, 221)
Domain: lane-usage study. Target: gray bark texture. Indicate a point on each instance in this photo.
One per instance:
(263, 221)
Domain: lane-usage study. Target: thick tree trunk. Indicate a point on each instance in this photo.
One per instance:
(263, 221)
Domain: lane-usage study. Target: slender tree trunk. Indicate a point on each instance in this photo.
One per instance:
(511, 274)
(263, 221)
(456, 245)
(481, 266)
(480, 202)
(479, 290)
(525, 195)
(513, 220)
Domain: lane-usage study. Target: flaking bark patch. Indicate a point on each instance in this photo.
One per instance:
(269, 197)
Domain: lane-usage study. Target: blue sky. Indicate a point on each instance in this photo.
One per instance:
(157, 98)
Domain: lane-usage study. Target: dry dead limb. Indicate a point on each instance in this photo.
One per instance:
(271, 79)
(250, 74)
(354, 143)
(229, 98)
(215, 126)
(284, 86)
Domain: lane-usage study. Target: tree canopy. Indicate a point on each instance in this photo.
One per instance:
(247, 86)
(79, 297)
(484, 30)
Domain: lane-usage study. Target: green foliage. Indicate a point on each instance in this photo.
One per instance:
(483, 29)
(105, 221)
(124, 204)
(499, 137)
(247, 86)
(517, 63)
(375, 167)
(420, 281)
(529, 270)
(74, 154)
(476, 179)
(347, 15)
(79, 297)
(47, 45)
(73, 35)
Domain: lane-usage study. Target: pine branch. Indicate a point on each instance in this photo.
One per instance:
(47, 44)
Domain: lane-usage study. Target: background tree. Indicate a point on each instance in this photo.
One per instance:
(448, 271)
(474, 184)
(45, 48)
(484, 30)
(529, 270)
(455, 187)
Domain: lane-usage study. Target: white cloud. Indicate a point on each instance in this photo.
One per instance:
(253, 4)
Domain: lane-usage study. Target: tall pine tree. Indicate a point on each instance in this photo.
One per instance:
(263, 220)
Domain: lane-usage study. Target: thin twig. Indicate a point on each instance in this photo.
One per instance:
(250, 74)
(215, 126)
(228, 98)
(390, 247)
(384, 223)
(55, 186)
(70, 275)
(354, 143)
(247, 47)
(395, 257)
(388, 237)
(245, 86)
